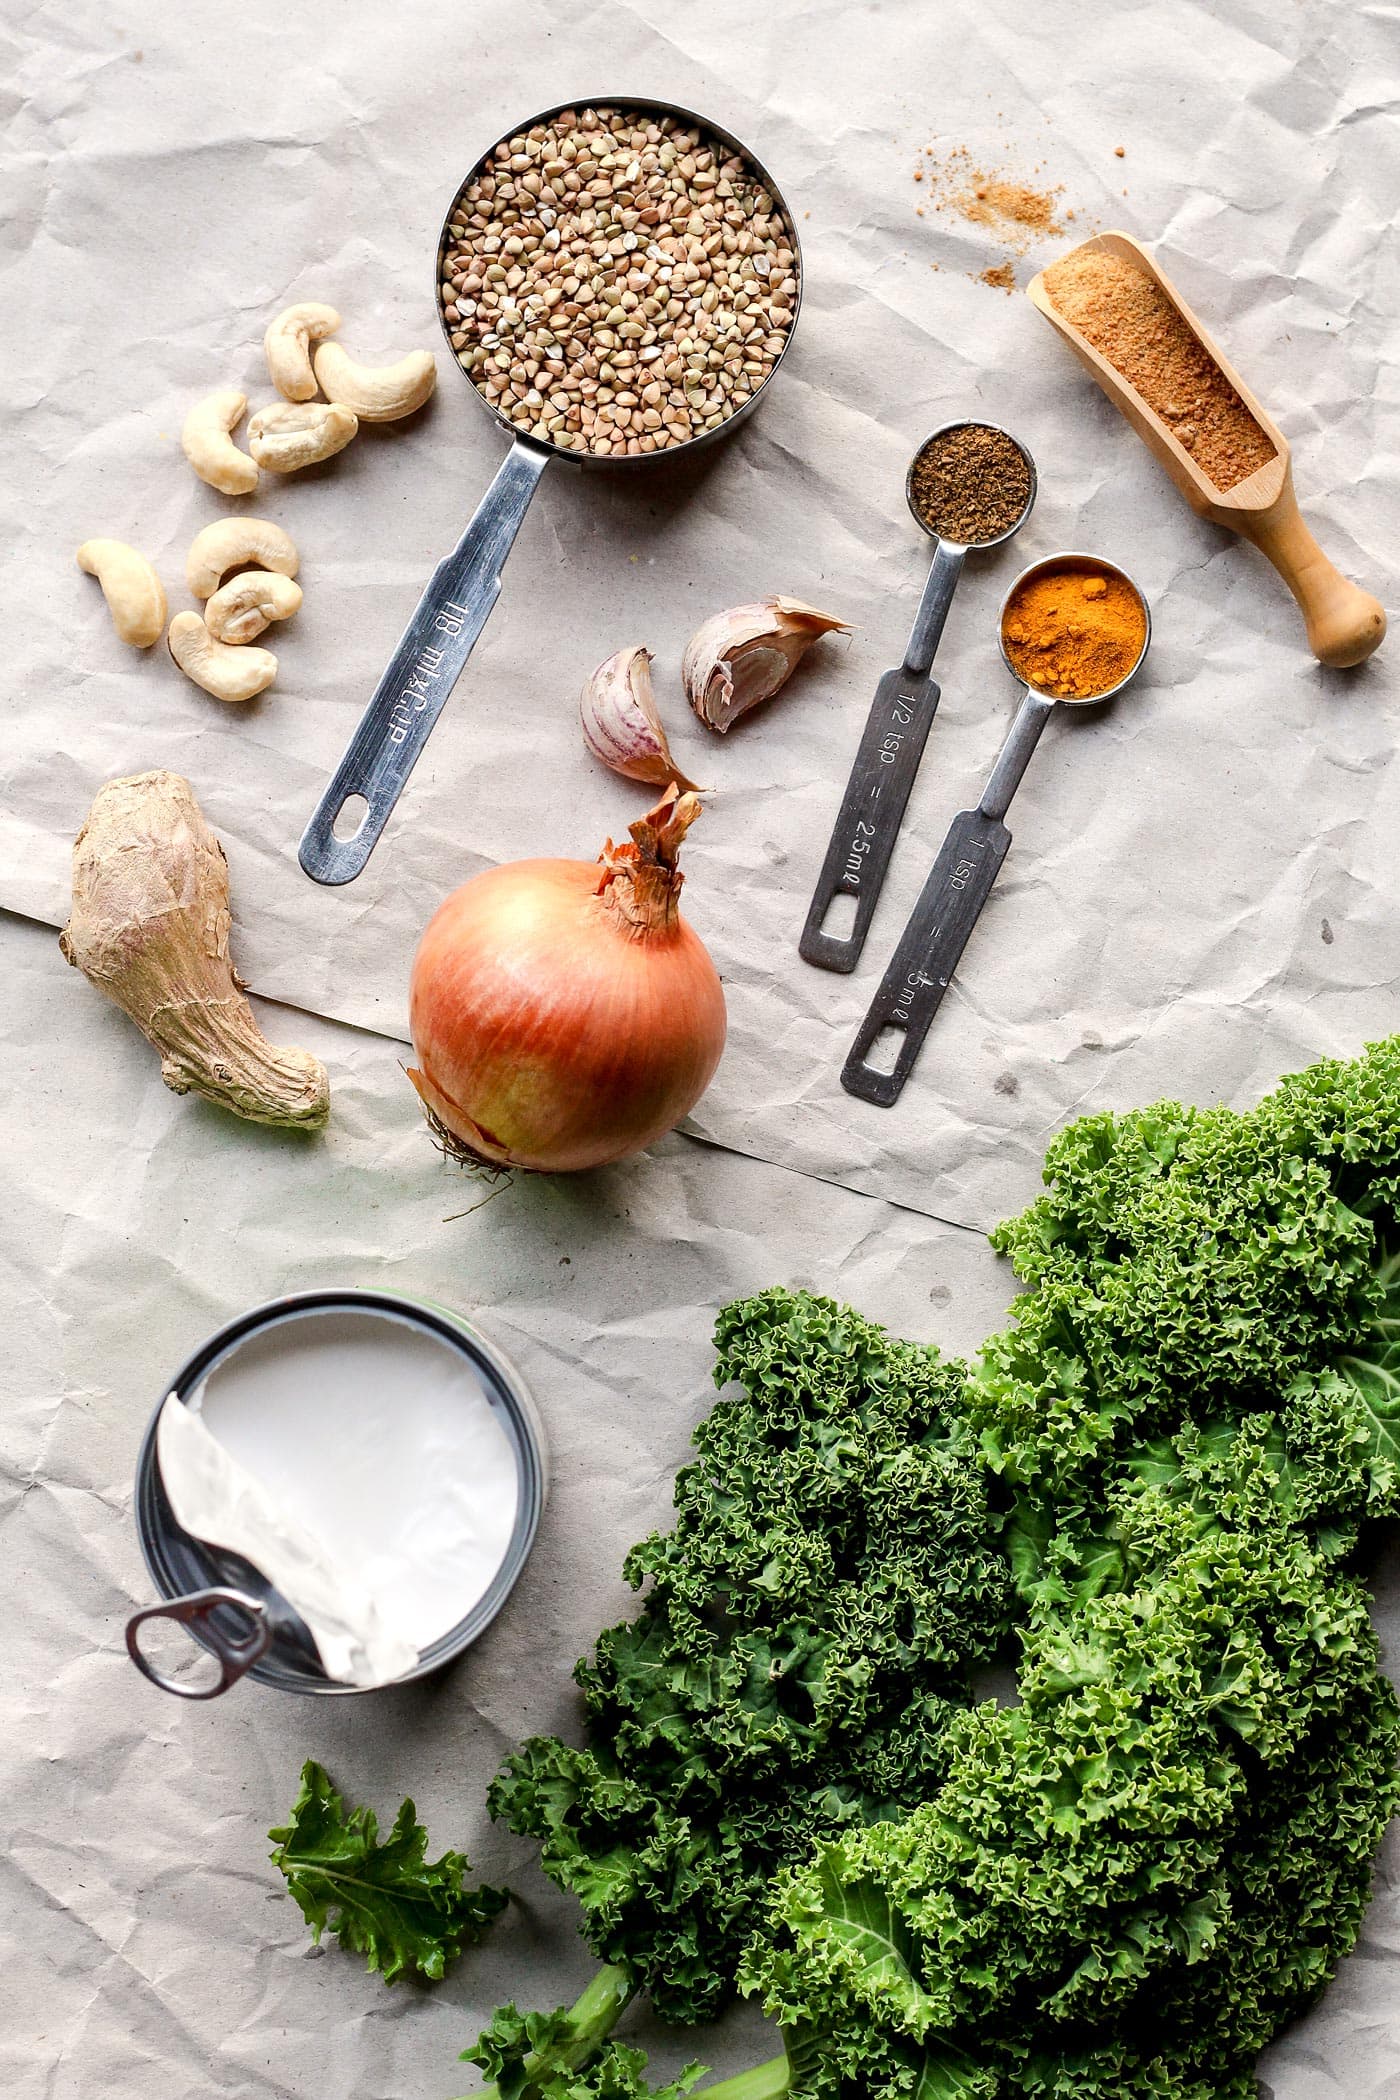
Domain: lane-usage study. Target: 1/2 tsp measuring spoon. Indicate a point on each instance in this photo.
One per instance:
(930, 948)
(892, 742)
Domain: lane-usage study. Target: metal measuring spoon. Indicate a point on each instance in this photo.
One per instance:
(892, 742)
(921, 968)
(432, 651)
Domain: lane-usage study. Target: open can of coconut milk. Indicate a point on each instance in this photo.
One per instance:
(338, 1492)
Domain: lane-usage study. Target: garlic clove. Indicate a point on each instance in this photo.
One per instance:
(744, 655)
(621, 726)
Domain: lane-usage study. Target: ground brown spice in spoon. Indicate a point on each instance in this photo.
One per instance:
(970, 484)
(1129, 320)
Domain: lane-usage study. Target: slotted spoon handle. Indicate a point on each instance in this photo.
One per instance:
(431, 654)
(877, 792)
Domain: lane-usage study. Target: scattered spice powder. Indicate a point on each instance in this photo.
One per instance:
(1129, 320)
(1013, 210)
(1016, 213)
(970, 484)
(1074, 630)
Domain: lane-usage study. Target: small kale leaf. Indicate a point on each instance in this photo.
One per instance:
(406, 1914)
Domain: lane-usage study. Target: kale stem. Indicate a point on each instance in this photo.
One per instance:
(592, 2017)
(763, 2082)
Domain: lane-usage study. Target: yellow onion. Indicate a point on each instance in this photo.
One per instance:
(563, 1013)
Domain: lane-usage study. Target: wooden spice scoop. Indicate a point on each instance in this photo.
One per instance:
(1344, 622)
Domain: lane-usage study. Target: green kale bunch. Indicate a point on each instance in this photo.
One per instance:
(812, 1619)
(1121, 1887)
(1131, 1880)
(1194, 1265)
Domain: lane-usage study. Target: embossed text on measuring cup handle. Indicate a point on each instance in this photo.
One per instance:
(431, 654)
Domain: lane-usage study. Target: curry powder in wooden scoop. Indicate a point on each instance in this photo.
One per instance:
(1156, 363)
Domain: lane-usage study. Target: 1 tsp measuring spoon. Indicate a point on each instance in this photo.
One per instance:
(892, 742)
(930, 948)
(432, 651)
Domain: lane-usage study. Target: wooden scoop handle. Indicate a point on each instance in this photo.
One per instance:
(1345, 623)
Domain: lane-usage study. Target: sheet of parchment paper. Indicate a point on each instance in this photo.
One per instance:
(151, 1943)
(1200, 892)
(1197, 894)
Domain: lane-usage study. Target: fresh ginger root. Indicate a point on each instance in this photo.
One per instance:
(150, 927)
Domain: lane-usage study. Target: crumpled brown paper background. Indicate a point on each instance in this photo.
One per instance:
(1200, 893)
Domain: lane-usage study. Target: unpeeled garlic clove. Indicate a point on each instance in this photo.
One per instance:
(620, 724)
(744, 655)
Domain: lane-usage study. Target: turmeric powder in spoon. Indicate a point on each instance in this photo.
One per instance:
(1074, 630)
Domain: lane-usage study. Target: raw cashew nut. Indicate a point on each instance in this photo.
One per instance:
(239, 611)
(134, 593)
(294, 434)
(209, 448)
(229, 674)
(377, 393)
(230, 542)
(287, 347)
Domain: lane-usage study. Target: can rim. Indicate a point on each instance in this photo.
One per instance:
(155, 1520)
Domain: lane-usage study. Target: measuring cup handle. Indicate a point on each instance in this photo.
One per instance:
(881, 779)
(235, 1656)
(867, 824)
(1016, 753)
(431, 654)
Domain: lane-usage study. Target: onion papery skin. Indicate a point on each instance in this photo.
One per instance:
(551, 1032)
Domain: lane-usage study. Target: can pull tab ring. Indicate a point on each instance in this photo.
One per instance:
(235, 1657)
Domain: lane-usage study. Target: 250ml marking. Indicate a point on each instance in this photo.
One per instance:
(416, 691)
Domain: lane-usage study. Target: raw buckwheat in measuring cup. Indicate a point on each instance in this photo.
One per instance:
(617, 281)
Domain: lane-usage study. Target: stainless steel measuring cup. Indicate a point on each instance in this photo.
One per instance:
(930, 948)
(433, 649)
(892, 742)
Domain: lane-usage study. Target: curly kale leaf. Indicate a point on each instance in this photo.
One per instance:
(1134, 1878)
(1191, 1265)
(387, 1902)
(812, 1618)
